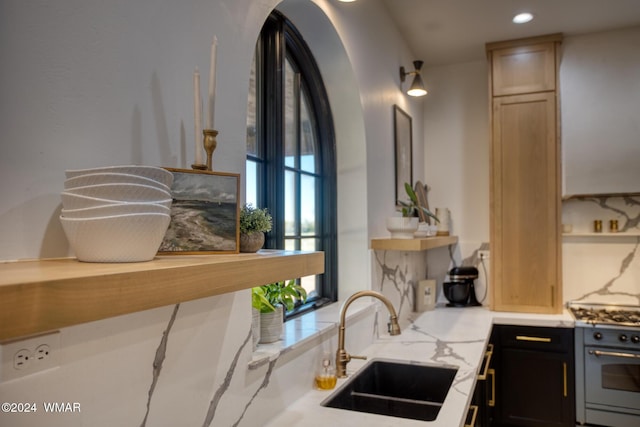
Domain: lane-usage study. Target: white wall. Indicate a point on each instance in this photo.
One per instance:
(600, 99)
(457, 162)
(111, 84)
(88, 83)
(457, 146)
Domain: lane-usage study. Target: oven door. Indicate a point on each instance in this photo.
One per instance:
(612, 379)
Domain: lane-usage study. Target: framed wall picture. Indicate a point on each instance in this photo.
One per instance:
(205, 215)
(403, 148)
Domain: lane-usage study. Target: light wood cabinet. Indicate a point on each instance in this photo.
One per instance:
(523, 69)
(525, 179)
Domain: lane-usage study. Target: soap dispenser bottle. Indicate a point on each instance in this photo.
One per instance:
(326, 372)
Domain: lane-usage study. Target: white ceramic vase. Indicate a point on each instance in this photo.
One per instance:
(271, 326)
(402, 227)
(444, 215)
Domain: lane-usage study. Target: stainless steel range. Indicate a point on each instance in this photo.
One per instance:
(607, 341)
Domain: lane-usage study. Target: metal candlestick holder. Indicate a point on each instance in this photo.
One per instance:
(210, 143)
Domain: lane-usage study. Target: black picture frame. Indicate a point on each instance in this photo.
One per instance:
(403, 138)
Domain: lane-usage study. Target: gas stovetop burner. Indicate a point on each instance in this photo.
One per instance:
(601, 314)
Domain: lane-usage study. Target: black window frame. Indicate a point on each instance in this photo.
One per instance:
(279, 40)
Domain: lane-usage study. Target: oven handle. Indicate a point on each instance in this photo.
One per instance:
(599, 353)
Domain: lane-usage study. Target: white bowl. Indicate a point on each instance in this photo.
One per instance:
(112, 178)
(119, 238)
(122, 192)
(115, 209)
(401, 227)
(153, 172)
(77, 201)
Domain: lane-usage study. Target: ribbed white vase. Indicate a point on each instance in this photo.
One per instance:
(271, 326)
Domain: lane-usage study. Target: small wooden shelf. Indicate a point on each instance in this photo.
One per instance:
(592, 196)
(620, 235)
(417, 244)
(42, 295)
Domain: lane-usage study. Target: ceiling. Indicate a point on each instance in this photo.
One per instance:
(443, 32)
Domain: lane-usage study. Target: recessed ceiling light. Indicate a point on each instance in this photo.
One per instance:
(522, 18)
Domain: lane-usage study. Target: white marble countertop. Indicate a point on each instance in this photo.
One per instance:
(444, 336)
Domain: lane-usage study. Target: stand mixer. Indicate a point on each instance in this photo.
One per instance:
(460, 289)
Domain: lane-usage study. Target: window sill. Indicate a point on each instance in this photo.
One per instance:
(306, 328)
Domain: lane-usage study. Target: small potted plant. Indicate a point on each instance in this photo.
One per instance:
(259, 303)
(254, 222)
(271, 300)
(404, 227)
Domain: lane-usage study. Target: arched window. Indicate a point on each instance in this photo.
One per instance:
(291, 161)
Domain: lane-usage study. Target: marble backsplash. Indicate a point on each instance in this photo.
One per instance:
(602, 267)
(182, 365)
(397, 273)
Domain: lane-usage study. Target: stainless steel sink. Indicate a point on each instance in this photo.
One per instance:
(395, 388)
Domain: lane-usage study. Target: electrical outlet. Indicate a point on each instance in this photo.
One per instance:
(484, 254)
(28, 356)
(22, 359)
(42, 353)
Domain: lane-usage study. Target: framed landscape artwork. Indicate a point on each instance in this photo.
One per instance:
(204, 213)
(403, 150)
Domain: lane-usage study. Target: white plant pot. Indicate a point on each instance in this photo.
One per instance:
(271, 326)
(402, 227)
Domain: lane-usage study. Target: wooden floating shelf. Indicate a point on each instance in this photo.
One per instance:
(592, 196)
(417, 244)
(43, 295)
(603, 235)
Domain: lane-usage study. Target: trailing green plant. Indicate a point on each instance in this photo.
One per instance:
(412, 207)
(259, 301)
(266, 297)
(254, 219)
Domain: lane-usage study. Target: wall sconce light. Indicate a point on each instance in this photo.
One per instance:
(417, 87)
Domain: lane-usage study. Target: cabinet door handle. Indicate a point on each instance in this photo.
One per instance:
(534, 339)
(492, 400)
(487, 361)
(473, 408)
(564, 376)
